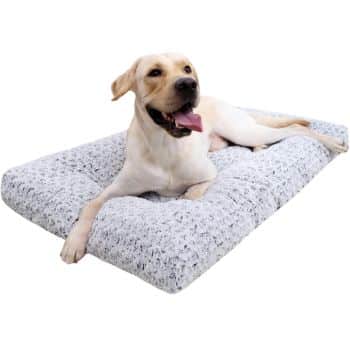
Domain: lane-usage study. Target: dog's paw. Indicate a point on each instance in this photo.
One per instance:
(336, 145)
(340, 147)
(259, 148)
(192, 193)
(74, 247)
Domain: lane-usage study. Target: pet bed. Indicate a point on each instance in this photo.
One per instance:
(167, 242)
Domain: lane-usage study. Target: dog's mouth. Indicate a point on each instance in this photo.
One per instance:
(178, 123)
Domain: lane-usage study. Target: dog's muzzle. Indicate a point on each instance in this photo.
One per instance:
(183, 120)
(186, 88)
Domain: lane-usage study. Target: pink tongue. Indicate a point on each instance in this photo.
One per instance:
(189, 120)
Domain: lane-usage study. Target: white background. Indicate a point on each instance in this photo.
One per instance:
(287, 285)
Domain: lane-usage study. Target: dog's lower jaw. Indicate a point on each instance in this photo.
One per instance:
(168, 126)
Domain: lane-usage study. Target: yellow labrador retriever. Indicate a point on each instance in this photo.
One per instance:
(170, 136)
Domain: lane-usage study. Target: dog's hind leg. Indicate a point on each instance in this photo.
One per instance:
(243, 130)
(278, 122)
(216, 142)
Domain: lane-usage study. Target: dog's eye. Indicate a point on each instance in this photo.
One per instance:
(155, 73)
(187, 69)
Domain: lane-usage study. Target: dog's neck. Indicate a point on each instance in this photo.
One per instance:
(146, 125)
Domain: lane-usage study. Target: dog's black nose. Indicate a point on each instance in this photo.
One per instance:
(186, 86)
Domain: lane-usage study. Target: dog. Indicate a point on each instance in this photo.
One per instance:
(172, 130)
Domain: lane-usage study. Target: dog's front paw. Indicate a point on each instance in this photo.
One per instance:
(192, 193)
(74, 247)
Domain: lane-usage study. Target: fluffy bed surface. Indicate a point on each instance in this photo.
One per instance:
(167, 242)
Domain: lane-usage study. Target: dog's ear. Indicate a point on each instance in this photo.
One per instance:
(124, 82)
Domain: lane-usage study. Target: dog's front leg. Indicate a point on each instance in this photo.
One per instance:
(75, 245)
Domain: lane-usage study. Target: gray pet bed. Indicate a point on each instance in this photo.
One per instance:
(167, 242)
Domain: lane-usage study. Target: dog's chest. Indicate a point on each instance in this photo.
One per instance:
(171, 173)
(170, 166)
(176, 174)
(178, 181)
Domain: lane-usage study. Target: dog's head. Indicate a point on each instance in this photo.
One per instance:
(166, 87)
